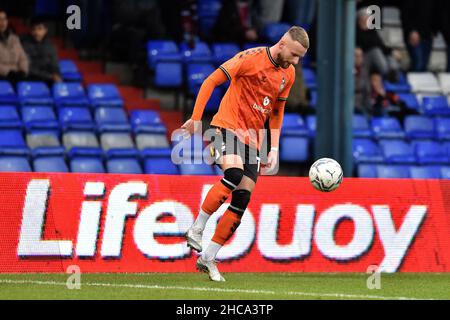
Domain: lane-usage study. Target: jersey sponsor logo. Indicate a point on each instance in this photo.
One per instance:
(266, 101)
(261, 109)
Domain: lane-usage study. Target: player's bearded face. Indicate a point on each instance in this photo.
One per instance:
(282, 61)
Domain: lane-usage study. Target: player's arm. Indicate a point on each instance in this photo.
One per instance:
(275, 122)
(276, 119)
(215, 79)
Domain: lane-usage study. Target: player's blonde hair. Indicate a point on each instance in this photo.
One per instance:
(299, 34)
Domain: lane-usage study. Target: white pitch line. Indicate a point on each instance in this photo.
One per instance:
(225, 290)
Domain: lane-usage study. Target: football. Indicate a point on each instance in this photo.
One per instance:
(325, 174)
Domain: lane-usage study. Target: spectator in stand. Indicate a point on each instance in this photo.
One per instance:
(362, 84)
(237, 22)
(270, 11)
(13, 60)
(371, 97)
(41, 53)
(442, 10)
(378, 57)
(417, 23)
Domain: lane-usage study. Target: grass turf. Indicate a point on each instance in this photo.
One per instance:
(187, 286)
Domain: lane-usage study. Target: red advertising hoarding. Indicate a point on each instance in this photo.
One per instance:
(135, 223)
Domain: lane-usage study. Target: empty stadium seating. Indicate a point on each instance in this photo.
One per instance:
(7, 94)
(69, 70)
(104, 95)
(9, 118)
(33, 93)
(366, 151)
(69, 94)
(78, 128)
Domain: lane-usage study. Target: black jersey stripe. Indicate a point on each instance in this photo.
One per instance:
(271, 59)
(226, 72)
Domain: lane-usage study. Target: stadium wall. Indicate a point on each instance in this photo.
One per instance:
(135, 223)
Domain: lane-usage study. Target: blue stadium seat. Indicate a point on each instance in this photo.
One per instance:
(9, 118)
(425, 172)
(361, 128)
(7, 94)
(147, 121)
(12, 143)
(402, 86)
(293, 125)
(76, 118)
(191, 148)
(366, 151)
(156, 153)
(196, 169)
(104, 95)
(87, 165)
(50, 164)
(392, 171)
(431, 152)
(69, 70)
(435, 105)
(367, 171)
(160, 166)
(223, 52)
(81, 144)
(274, 31)
(69, 94)
(168, 75)
(199, 53)
(118, 145)
(124, 165)
(310, 78)
(397, 151)
(410, 100)
(387, 128)
(293, 149)
(44, 144)
(34, 93)
(294, 139)
(447, 146)
(39, 118)
(311, 122)
(419, 127)
(162, 51)
(111, 119)
(445, 172)
(442, 127)
(14, 164)
(196, 74)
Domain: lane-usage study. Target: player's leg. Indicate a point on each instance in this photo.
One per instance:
(227, 225)
(233, 172)
(231, 219)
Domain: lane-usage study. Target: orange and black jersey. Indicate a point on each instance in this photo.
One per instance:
(257, 84)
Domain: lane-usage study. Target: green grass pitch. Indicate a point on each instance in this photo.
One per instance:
(187, 286)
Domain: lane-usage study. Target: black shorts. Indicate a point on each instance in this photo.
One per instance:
(226, 142)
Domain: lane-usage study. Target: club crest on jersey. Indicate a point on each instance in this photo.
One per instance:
(283, 84)
(266, 101)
